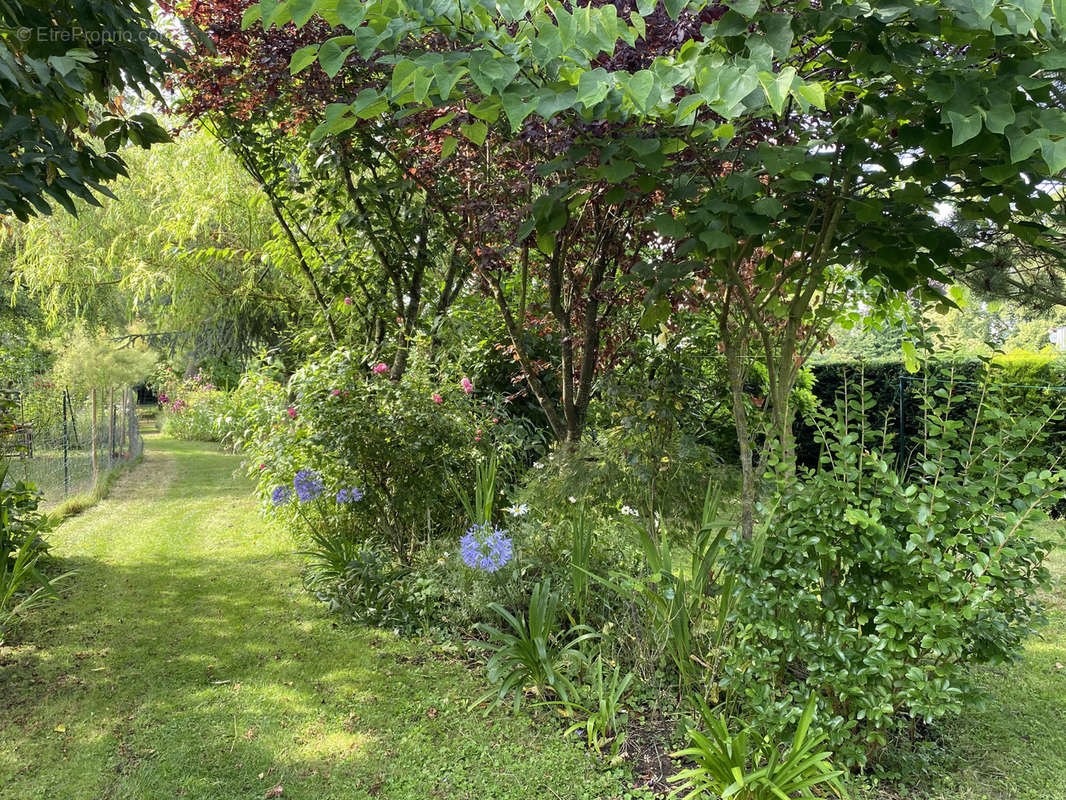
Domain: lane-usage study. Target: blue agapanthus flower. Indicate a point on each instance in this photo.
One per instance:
(281, 495)
(308, 485)
(486, 547)
(352, 494)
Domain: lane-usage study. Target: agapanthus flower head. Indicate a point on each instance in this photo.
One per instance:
(308, 485)
(281, 495)
(350, 494)
(486, 547)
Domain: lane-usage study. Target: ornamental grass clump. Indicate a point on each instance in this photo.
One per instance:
(531, 652)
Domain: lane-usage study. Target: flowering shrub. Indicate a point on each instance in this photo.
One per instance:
(189, 406)
(398, 441)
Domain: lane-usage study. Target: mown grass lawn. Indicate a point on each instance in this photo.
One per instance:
(186, 660)
(1015, 747)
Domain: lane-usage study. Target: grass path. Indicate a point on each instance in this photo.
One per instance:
(1014, 748)
(187, 661)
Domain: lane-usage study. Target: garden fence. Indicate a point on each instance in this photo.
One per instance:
(64, 443)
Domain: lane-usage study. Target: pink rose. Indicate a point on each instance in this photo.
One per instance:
(347, 301)
(336, 392)
(380, 368)
(292, 412)
(437, 398)
(467, 385)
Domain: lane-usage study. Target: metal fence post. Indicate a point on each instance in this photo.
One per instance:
(66, 449)
(92, 437)
(111, 437)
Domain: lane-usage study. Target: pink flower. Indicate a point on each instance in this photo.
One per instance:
(336, 392)
(292, 412)
(467, 385)
(437, 398)
(380, 368)
(495, 419)
(347, 301)
(262, 466)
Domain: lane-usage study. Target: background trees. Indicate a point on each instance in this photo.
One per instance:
(184, 257)
(776, 152)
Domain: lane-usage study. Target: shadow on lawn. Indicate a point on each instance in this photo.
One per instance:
(206, 676)
(198, 670)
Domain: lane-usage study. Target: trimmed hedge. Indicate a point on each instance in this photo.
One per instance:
(1033, 379)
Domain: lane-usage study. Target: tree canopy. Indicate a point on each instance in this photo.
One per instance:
(64, 69)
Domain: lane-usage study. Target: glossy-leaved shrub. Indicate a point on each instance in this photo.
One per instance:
(882, 574)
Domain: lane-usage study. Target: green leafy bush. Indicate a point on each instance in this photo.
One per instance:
(876, 584)
(22, 585)
(20, 520)
(248, 410)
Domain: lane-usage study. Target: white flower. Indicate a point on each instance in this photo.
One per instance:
(629, 511)
(519, 510)
(572, 499)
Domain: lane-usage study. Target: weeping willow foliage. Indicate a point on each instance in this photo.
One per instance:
(187, 250)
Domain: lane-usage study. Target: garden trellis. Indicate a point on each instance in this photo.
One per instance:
(63, 443)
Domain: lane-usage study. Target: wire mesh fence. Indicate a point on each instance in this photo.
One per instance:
(64, 443)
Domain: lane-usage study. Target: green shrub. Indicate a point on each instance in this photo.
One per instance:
(403, 443)
(20, 520)
(22, 585)
(248, 411)
(875, 585)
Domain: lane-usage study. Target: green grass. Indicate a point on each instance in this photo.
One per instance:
(186, 660)
(1014, 748)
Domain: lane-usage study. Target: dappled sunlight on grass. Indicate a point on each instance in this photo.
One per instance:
(1013, 747)
(187, 660)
